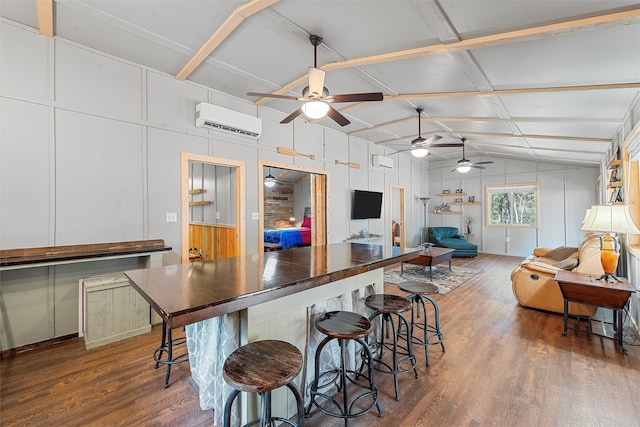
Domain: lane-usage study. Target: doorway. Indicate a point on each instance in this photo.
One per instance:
(311, 211)
(212, 207)
(397, 214)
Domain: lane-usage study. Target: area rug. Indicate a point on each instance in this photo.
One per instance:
(445, 280)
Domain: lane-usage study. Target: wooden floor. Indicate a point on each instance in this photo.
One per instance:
(504, 365)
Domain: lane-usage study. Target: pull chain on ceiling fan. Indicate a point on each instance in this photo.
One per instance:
(316, 97)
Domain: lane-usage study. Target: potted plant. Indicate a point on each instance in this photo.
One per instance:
(467, 221)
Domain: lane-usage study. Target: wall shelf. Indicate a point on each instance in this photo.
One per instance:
(448, 213)
(465, 203)
(452, 194)
(203, 203)
(197, 191)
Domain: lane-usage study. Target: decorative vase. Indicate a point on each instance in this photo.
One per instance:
(468, 228)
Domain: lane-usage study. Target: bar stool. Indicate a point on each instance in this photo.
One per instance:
(166, 346)
(386, 306)
(432, 335)
(261, 367)
(345, 327)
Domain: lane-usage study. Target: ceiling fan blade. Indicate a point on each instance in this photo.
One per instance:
(447, 144)
(337, 117)
(484, 163)
(316, 81)
(272, 95)
(292, 116)
(358, 97)
(477, 167)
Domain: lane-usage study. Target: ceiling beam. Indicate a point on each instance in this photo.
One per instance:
(228, 26)
(45, 17)
(533, 33)
(501, 135)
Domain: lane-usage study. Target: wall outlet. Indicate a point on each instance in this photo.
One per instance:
(255, 216)
(172, 217)
(217, 215)
(507, 239)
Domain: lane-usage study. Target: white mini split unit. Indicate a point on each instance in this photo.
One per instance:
(215, 117)
(382, 161)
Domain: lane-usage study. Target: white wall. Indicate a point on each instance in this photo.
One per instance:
(101, 138)
(565, 194)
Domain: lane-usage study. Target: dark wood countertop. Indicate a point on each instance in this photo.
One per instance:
(189, 293)
(53, 254)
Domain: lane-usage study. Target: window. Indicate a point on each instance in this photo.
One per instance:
(512, 205)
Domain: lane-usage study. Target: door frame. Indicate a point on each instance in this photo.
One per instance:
(401, 189)
(239, 166)
(319, 200)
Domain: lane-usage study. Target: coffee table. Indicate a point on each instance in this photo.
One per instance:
(430, 258)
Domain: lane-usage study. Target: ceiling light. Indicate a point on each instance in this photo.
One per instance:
(419, 152)
(463, 168)
(315, 109)
(269, 180)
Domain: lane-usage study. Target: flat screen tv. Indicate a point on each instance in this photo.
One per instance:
(366, 204)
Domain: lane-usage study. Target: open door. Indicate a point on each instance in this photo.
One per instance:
(397, 214)
(212, 207)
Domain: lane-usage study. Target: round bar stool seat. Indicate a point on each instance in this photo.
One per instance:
(431, 333)
(345, 327)
(163, 355)
(260, 367)
(402, 358)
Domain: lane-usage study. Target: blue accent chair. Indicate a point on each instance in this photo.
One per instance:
(448, 237)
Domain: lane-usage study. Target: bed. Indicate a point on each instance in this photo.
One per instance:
(290, 236)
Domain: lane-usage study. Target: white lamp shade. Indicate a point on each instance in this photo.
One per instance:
(610, 219)
(586, 215)
(315, 109)
(419, 152)
(463, 168)
(269, 181)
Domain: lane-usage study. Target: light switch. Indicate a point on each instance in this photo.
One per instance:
(172, 217)
(255, 216)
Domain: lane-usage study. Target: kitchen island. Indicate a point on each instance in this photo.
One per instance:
(229, 302)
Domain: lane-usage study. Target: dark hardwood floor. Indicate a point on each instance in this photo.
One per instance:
(504, 365)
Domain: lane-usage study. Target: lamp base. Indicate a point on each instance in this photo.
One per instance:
(609, 278)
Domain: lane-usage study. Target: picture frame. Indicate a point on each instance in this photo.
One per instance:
(459, 190)
(446, 192)
(614, 175)
(458, 200)
(614, 196)
(472, 199)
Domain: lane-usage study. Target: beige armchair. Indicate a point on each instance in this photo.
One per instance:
(533, 281)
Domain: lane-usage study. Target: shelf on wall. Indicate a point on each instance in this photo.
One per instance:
(197, 191)
(614, 164)
(448, 213)
(452, 194)
(465, 203)
(203, 203)
(614, 184)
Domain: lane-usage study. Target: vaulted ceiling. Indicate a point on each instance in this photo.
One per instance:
(526, 79)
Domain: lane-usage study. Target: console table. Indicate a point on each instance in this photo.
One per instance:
(587, 289)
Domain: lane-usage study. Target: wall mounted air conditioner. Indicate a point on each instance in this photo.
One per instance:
(215, 117)
(382, 161)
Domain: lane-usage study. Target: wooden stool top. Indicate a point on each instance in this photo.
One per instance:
(418, 288)
(262, 366)
(387, 303)
(343, 324)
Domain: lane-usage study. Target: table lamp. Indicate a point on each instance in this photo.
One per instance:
(609, 220)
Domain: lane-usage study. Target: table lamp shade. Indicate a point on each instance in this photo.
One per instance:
(610, 219)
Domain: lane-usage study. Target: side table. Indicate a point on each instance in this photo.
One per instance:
(587, 289)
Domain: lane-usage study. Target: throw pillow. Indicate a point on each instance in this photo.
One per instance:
(567, 264)
(560, 253)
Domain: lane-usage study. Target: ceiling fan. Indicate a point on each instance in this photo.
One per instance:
(316, 97)
(420, 145)
(464, 165)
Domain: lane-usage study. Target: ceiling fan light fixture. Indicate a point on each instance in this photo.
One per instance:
(269, 180)
(419, 152)
(463, 168)
(315, 109)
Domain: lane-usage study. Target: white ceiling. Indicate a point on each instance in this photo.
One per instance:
(496, 72)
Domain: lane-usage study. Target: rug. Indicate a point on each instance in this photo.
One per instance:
(445, 280)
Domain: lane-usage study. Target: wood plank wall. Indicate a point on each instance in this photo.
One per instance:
(214, 241)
